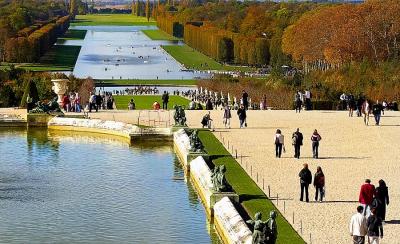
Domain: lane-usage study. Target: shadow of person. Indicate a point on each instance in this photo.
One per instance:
(393, 222)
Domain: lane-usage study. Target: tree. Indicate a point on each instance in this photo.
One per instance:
(73, 8)
(148, 12)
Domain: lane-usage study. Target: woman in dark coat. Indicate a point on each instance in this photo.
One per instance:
(319, 184)
(382, 195)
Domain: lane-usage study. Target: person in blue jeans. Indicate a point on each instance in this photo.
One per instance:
(377, 109)
(315, 138)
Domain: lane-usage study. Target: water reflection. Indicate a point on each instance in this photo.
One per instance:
(124, 52)
(89, 189)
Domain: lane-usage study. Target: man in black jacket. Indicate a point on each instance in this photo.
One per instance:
(165, 100)
(305, 181)
(297, 141)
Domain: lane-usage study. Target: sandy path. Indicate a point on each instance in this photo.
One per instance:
(349, 153)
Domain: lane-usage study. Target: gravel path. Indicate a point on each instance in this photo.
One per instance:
(350, 152)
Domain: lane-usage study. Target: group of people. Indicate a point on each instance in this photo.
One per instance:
(302, 99)
(297, 142)
(71, 102)
(103, 101)
(141, 90)
(371, 214)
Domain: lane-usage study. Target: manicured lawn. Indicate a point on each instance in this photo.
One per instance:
(252, 198)
(73, 35)
(159, 35)
(146, 101)
(58, 58)
(193, 59)
(110, 19)
(145, 82)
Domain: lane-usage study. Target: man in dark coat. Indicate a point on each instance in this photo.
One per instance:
(297, 142)
(305, 181)
(165, 99)
(245, 100)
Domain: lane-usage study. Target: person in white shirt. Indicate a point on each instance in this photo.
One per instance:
(279, 143)
(358, 226)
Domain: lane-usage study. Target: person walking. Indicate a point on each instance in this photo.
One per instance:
(165, 99)
(242, 116)
(315, 138)
(99, 101)
(227, 116)
(297, 142)
(366, 110)
(375, 227)
(245, 100)
(358, 226)
(305, 181)
(382, 194)
(279, 143)
(319, 184)
(92, 102)
(366, 196)
(297, 101)
(377, 109)
(352, 104)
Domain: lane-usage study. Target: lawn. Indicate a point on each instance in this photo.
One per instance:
(146, 101)
(110, 19)
(58, 58)
(145, 82)
(193, 59)
(252, 198)
(159, 35)
(73, 35)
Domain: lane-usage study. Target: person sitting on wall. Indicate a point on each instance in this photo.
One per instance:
(156, 105)
(131, 105)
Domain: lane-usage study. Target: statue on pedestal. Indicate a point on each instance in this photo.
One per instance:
(179, 116)
(195, 143)
(219, 180)
(49, 108)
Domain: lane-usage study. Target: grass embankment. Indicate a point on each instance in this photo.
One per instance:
(159, 35)
(73, 35)
(58, 58)
(252, 198)
(145, 82)
(193, 59)
(110, 19)
(146, 101)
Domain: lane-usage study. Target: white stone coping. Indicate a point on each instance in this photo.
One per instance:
(119, 128)
(182, 143)
(202, 175)
(231, 223)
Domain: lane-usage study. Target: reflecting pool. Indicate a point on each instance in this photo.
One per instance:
(125, 52)
(82, 188)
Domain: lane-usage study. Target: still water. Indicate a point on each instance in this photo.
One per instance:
(125, 52)
(75, 188)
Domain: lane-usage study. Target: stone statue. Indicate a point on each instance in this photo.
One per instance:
(271, 228)
(219, 180)
(264, 232)
(49, 108)
(258, 236)
(195, 143)
(179, 116)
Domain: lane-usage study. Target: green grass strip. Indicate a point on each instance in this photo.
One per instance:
(193, 59)
(111, 19)
(145, 82)
(146, 101)
(159, 35)
(252, 198)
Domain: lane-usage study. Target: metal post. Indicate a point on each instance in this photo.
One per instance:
(263, 183)
(228, 145)
(223, 141)
(277, 199)
(269, 191)
(284, 206)
(301, 227)
(251, 170)
(236, 153)
(293, 218)
(241, 159)
(310, 238)
(257, 177)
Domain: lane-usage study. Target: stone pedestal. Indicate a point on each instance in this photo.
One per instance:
(38, 120)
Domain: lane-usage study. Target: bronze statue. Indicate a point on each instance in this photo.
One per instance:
(195, 143)
(179, 116)
(264, 232)
(49, 108)
(219, 180)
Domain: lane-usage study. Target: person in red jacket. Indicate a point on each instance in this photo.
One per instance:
(366, 197)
